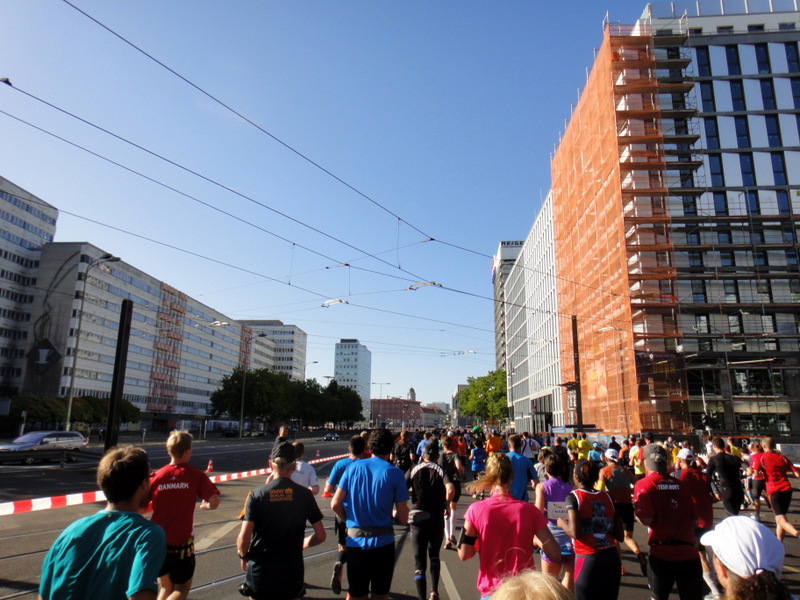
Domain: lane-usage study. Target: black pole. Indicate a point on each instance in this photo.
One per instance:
(118, 381)
(576, 354)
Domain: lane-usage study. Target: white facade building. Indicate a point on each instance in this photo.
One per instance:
(26, 223)
(352, 367)
(531, 330)
(290, 346)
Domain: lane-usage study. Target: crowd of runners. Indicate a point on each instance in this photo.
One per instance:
(573, 501)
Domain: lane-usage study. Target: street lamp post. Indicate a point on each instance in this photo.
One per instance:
(380, 389)
(103, 259)
(244, 375)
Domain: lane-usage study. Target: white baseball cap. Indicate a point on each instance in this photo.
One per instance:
(612, 454)
(745, 546)
(685, 454)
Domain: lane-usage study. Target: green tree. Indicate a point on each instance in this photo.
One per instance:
(485, 398)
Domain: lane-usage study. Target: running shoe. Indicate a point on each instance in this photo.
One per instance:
(336, 579)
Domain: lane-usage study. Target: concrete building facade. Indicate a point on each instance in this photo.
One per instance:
(291, 343)
(352, 367)
(26, 224)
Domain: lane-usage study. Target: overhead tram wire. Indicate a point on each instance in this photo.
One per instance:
(166, 186)
(212, 181)
(247, 119)
(307, 158)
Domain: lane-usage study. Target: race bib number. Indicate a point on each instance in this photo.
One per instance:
(556, 510)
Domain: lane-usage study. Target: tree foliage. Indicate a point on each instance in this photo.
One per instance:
(485, 398)
(51, 411)
(272, 397)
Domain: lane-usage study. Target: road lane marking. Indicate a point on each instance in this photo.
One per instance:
(449, 584)
(218, 533)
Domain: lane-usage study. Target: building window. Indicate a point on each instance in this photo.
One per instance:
(753, 203)
(755, 28)
(715, 168)
(748, 171)
(737, 95)
(689, 206)
(724, 236)
(735, 323)
(764, 290)
(720, 203)
(695, 259)
(788, 236)
(712, 133)
(760, 258)
(791, 57)
(768, 94)
(725, 29)
(783, 202)
(707, 96)
(732, 55)
(698, 291)
(791, 258)
(762, 58)
(693, 238)
(773, 131)
(778, 168)
(703, 61)
(742, 132)
(730, 290)
(757, 236)
(726, 259)
(794, 289)
(786, 26)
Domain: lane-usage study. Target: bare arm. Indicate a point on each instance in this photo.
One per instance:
(243, 541)
(569, 525)
(337, 504)
(317, 537)
(540, 499)
(314, 489)
(210, 504)
(401, 509)
(549, 544)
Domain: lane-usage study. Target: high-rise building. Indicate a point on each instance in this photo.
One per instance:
(675, 211)
(533, 371)
(352, 367)
(290, 346)
(502, 263)
(26, 223)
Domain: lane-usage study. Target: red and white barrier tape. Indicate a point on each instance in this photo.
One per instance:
(31, 505)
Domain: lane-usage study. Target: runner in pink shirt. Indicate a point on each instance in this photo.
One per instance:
(502, 529)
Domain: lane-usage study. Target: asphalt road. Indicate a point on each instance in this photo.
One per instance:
(25, 538)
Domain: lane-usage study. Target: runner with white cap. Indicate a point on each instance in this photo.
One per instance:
(748, 559)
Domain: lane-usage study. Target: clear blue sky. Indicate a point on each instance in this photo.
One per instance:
(444, 114)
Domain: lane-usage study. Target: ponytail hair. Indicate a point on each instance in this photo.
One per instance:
(764, 585)
(499, 472)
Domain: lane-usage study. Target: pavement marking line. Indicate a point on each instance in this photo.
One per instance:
(791, 569)
(218, 533)
(449, 584)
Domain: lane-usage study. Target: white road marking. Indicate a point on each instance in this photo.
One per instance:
(449, 584)
(218, 533)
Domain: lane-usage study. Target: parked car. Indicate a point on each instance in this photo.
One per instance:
(44, 440)
(331, 437)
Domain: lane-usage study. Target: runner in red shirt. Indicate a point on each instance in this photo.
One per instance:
(665, 506)
(775, 466)
(590, 522)
(174, 490)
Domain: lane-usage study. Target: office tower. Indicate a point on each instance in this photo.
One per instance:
(352, 368)
(290, 346)
(674, 199)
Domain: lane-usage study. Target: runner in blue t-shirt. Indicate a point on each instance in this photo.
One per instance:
(357, 444)
(369, 492)
(477, 459)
